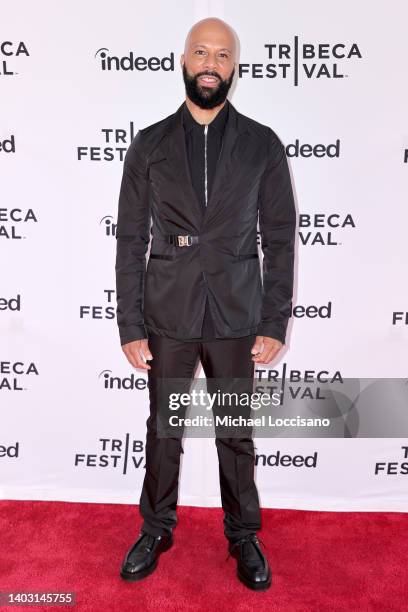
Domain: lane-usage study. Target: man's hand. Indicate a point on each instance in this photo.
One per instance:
(265, 349)
(135, 352)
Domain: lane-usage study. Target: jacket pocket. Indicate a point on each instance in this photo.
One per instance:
(158, 256)
(248, 256)
(158, 160)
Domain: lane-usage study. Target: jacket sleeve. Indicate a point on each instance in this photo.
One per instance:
(132, 241)
(277, 224)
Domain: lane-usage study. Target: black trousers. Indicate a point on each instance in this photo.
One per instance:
(220, 359)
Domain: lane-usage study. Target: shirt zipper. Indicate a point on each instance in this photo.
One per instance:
(205, 162)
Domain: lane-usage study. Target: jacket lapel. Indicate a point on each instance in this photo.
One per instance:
(226, 160)
(174, 146)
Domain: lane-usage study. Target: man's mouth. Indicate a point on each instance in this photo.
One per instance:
(208, 81)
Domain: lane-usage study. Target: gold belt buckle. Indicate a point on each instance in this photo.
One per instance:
(184, 240)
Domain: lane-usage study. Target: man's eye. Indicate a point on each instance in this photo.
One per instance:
(199, 51)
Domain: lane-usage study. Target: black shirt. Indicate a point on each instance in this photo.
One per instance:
(197, 156)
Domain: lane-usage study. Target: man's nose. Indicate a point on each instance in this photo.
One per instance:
(210, 62)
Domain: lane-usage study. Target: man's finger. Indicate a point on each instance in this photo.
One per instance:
(258, 345)
(139, 358)
(267, 354)
(134, 357)
(145, 350)
(261, 357)
(130, 358)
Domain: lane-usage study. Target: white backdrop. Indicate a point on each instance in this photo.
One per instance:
(65, 434)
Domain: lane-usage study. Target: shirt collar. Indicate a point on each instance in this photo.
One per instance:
(218, 123)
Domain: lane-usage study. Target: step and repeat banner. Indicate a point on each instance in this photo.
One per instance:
(77, 80)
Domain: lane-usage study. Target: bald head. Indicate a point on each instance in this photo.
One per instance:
(213, 33)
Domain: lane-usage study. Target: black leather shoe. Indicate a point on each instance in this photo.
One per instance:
(252, 567)
(141, 560)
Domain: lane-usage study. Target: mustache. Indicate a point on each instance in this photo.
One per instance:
(211, 74)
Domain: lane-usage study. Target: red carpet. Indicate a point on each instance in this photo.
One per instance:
(320, 560)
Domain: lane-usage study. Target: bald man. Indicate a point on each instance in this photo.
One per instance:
(199, 181)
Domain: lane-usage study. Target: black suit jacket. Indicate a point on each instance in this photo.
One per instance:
(157, 197)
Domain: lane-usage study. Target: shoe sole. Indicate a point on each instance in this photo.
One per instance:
(134, 577)
(255, 586)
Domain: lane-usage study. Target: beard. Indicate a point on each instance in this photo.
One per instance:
(206, 97)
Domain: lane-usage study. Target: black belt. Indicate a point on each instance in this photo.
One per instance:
(181, 240)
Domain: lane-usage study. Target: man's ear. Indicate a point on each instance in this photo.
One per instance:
(182, 59)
